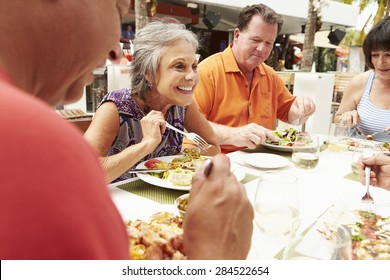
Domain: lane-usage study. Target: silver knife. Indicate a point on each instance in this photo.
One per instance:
(143, 170)
(146, 170)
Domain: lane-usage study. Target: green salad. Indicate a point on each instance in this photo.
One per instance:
(286, 136)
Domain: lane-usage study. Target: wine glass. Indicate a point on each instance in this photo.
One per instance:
(276, 204)
(306, 151)
(313, 241)
(338, 138)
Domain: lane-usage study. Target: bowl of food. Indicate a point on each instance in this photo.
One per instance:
(181, 204)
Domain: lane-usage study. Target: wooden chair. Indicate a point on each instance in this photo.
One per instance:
(77, 117)
(340, 84)
(288, 79)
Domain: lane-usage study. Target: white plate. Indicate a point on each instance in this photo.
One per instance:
(165, 184)
(265, 161)
(278, 148)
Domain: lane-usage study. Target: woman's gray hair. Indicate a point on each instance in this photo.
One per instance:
(149, 44)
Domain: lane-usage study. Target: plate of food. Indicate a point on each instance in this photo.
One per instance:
(369, 233)
(159, 238)
(356, 144)
(180, 170)
(286, 140)
(265, 161)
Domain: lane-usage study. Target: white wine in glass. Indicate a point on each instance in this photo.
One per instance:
(276, 204)
(306, 151)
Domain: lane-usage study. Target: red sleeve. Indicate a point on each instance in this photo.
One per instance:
(54, 203)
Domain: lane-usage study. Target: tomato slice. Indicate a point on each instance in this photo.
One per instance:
(152, 163)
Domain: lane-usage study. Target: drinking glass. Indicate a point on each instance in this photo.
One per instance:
(306, 151)
(318, 240)
(276, 204)
(358, 152)
(338, 138)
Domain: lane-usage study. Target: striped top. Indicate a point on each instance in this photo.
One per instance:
(372, 119)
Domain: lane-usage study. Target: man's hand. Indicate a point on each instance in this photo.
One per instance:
(249, 135)
(380, 170)
(218, 222)
(302, 108)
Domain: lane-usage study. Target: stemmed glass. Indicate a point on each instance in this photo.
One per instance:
(276, 204)
(306, 151)
(313, 243)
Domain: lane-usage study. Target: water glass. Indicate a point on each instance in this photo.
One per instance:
(357, 153)
(276, 204)
(306, 151)
(338, 138)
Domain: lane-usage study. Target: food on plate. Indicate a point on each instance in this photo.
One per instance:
(386, 146)
(286, 136)
(161, 238)
(370, 235)
(179, 176)
(180, 170)
(181, 202)
(192, 152)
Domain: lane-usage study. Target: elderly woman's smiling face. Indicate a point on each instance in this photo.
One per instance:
(176, 75)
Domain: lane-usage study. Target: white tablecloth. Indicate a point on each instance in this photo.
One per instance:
(318, 189)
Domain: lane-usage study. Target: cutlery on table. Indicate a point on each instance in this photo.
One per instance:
(146, 170)
(367, 199)
(199, 141)
(368, 136)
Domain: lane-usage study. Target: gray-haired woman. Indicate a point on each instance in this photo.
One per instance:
(129, 125)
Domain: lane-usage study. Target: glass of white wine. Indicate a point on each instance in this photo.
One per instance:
(306, 151)
(338, 138)
(276, 204)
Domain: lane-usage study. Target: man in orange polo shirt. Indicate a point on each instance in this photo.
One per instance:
(240, 95)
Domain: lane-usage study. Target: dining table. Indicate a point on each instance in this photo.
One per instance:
(330, 182)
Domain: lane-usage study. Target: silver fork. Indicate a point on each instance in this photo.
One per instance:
(199, 141)
(368, 136)
(367, 199)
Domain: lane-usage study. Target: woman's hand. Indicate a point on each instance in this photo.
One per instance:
(349, 118)
(153, 126)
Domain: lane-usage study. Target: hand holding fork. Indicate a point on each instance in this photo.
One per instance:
(199, 141)
(367, 199)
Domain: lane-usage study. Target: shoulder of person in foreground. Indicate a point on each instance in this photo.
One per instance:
(54, 188)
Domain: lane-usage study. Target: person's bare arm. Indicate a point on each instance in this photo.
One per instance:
(347, 111)
(103, 131)
(249, 135)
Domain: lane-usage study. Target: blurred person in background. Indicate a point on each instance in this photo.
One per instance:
(129, 125)
(239, 94)
(54, 202)
(366, 100)
(127, 34)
